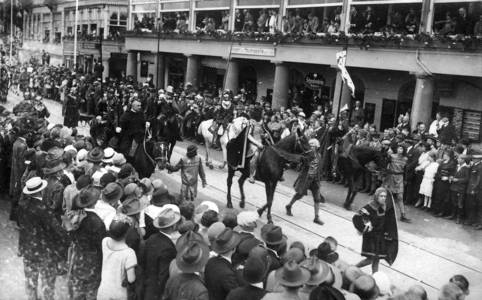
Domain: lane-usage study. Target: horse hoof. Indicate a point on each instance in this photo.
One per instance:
(347, 206)
(270, 221)
(260, 212)
(241, 204)
(229, 205)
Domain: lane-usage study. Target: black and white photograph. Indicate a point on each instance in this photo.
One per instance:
(240, 149)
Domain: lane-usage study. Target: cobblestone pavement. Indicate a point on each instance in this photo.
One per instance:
(431, 249)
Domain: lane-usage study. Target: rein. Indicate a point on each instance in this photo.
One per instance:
(290, 157)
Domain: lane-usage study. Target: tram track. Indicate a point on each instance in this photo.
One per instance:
(285, 219)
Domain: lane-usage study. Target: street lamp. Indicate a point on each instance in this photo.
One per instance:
(75, 33)
(11, 31)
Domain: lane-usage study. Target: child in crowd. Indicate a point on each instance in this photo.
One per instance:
(191, 169)
(118, 262)
(430, 167)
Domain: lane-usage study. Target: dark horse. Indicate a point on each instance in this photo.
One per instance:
(168, 130)
(352, 167)
(270, 168)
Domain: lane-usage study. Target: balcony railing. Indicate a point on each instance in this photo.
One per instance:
(364, 41)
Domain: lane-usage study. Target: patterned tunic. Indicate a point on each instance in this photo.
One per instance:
(394, 179)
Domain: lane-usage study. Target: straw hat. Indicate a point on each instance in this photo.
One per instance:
(34, 185)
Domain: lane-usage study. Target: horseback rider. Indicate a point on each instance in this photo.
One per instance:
(309, 179)
(224, 115)
(255, 137)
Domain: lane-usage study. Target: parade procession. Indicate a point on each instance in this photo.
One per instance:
(246, 149)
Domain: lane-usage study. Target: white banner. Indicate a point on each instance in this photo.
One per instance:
(345, 77)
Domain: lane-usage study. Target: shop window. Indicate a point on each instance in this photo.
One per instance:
(144, 68)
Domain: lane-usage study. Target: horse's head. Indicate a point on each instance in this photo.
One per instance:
(301, 142)
(382, 159)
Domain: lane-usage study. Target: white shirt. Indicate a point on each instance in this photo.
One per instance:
(152, 211)
(434, 127)
(105, 211)
(117, 258)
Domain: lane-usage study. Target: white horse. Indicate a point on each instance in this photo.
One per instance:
(232, 131)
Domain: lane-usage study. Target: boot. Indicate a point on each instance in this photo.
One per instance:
(404, 219)
(459, 216)
(317, 220)
(419, 202)
(288, 210)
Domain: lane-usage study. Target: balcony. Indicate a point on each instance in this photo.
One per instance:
(456, 43)
(451, 55)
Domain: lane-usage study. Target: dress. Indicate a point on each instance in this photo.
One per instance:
(115, 263)
(426, 187)
(374, 243)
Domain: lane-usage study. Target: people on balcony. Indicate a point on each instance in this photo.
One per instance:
(478, 27)
(463, 23)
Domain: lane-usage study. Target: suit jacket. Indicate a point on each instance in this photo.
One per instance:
(474, 179)
(462, 177)
(18, 166)
(220, 278)
(246, 292)
(157, 255)
(412, 162)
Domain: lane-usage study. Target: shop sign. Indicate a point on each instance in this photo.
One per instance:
(314, 81)
(253, 51)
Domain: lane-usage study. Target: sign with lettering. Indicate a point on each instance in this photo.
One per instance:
(314, 81)
(255, 51)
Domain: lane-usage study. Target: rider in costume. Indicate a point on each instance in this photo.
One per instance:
(255, 138)
(309, 179)
(224, 115)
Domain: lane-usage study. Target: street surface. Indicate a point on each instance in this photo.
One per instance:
(431, 249)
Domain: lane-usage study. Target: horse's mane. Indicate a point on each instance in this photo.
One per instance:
(284, 147)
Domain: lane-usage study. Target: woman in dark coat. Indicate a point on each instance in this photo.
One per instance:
(377, 222)
(85, 261)
(72, 115)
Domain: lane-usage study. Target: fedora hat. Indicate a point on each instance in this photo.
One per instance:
(130, 207)
(192, 257)
(186, 238)
(226, 241)
(319, 270)
(166, 218)
(53, 166)
(291, 274)
(55, 153)
(108, 155)
(256, 268)
(112, 192)
(273, 235)
(87, 197)
(95, 155)
(34, 185)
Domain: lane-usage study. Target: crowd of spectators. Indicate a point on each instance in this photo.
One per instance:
(363, 20)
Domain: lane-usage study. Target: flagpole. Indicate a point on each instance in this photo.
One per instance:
(11, 31)
(75, 33)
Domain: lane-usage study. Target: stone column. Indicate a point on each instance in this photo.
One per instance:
(160, 68)
(52, 29)
(231, 77)
(41, 27)
(281, 85)
(422, 100)
(105, 64)
(345, 94)
(192, 70)
(131, 68)
(106, 22)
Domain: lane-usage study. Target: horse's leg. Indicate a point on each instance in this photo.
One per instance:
(269, 199)
(223, 141)
(241, 180)
(347, 203)
(208, 161)
(229, 182)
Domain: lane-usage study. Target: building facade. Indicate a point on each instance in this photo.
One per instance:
(49, 26)
(414, 56)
